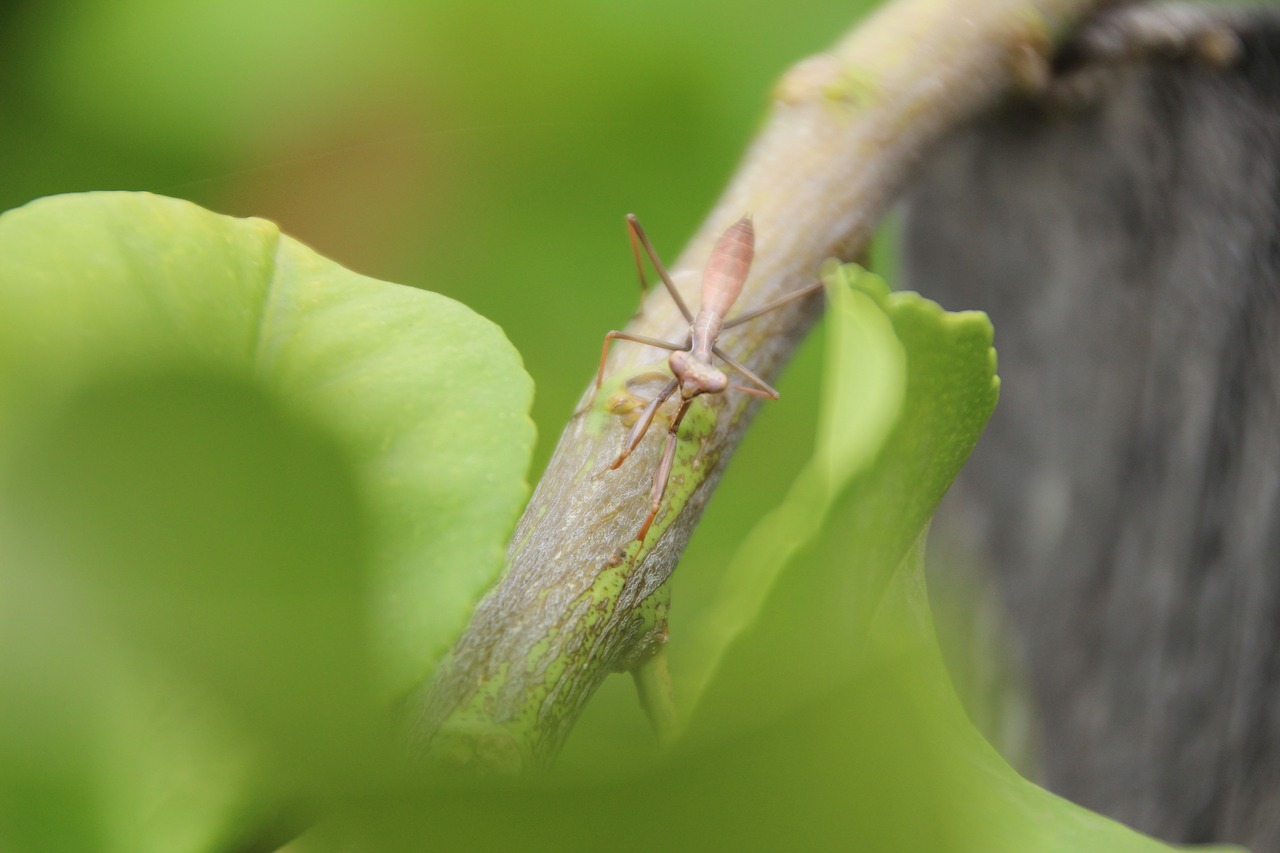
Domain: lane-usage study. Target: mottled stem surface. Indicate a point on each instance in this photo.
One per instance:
(579, 598)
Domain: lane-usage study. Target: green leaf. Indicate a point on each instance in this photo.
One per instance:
(246, 496)
(908, 390)
(824, 634)
(864, 388)
(184, 583)
(428, 398)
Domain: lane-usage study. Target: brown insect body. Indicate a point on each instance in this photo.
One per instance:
(722, 281)
(692, 367)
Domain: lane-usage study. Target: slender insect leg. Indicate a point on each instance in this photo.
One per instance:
(635, 339)
(638, 233)
(757, 392)
(774, 305)
(604, 356)
(635, 253)
(765, 390)
(642, 425)
(663, 475)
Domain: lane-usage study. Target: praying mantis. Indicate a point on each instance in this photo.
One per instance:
(693, 371)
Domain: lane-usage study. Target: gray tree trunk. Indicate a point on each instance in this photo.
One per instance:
(1127, 492)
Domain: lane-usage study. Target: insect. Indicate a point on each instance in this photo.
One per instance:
(693, 371)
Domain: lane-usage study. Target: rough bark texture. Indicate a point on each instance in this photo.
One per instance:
(1127, 490)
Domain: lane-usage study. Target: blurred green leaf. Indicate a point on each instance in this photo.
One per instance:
(907, 391)
(845, 625)
(864, 385)
(856, 768)
(211, 529)
(429, 399)
(183, 579)
(246, 496)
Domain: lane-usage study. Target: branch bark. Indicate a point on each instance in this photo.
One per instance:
(579, 599)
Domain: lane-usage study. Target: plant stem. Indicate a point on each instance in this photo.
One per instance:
(846, 129)
(657, 694)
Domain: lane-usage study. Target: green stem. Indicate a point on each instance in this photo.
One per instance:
(657, 694)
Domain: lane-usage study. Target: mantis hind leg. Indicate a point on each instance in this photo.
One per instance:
(774, 305)
(764, 390)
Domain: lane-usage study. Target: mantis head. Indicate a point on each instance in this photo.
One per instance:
(697, 376)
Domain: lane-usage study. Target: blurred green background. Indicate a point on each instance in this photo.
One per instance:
(486, 151)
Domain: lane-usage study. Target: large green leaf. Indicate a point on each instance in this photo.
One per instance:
(429, 398)
(260, 488)
(838, 615)
(907, 391)
(185, 621)
(864, 386)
